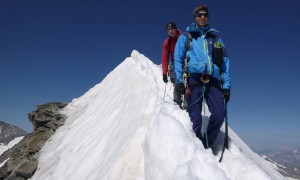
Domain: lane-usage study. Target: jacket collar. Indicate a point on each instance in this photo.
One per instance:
(178, 34)
(192, 28)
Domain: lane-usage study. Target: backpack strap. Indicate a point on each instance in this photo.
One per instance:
(189, 37)
(188, 45)
(212, 36)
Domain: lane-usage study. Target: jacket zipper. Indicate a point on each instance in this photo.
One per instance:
(206, 51)
(208, 59)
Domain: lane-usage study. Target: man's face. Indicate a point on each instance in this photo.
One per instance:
(201, 18)
(172, 31)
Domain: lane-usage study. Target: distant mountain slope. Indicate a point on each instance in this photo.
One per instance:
(9, 132)
(4, 147)
(286, 161)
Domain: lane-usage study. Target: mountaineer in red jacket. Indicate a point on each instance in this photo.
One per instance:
(168, 58)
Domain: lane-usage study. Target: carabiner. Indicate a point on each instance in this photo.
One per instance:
(204, 79)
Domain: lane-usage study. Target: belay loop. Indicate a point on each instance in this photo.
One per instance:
(204, 79)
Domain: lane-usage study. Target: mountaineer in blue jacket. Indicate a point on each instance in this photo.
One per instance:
(202, 71)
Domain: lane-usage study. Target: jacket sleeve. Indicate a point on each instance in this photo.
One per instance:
(165, 57)
(179, 56)
(226, 73)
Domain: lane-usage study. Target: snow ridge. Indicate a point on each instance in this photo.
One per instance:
(123, 128)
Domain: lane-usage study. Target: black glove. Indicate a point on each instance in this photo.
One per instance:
(226, 93)
(172, 80)
(165, 78)
(180, 88)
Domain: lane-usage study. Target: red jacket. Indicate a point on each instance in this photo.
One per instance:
(168, 52)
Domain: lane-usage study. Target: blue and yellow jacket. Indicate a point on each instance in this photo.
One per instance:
(199, 53)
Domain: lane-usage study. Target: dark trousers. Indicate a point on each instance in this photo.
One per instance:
(215, 103)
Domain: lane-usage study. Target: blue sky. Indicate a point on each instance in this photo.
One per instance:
(56, 50)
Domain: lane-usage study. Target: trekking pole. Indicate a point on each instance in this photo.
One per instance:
(226, 133)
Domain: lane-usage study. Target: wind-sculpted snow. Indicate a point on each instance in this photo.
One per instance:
(127, 127)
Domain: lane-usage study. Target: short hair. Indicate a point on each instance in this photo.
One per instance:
(200, 8)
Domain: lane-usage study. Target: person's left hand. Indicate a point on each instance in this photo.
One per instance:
(165, 78)
(226, 93)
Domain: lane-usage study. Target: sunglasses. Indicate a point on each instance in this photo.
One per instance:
(201, 14)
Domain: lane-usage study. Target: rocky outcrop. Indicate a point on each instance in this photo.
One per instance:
(21, 160)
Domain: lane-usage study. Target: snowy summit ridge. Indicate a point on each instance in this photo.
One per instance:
(127, 127)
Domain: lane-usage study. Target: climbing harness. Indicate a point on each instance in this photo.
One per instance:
(204, 79)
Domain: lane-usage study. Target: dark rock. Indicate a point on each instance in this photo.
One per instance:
(23, 157)
(46, 113)
(26, 169)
